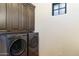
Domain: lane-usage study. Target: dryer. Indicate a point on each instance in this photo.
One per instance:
(33, 44)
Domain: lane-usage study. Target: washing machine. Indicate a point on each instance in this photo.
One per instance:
(16, 44)
(33, 44)
(3, 48)
(19, 44)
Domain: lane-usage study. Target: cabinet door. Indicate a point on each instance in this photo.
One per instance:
(2, 16)
(26, 17)
(12, 17)
(31, 18)
(20, 17)
(23, 19)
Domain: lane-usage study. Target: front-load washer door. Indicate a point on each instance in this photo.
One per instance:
(17, 45)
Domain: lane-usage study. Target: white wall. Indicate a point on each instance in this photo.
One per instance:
(58, 35)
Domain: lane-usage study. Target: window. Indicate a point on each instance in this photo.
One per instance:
(58, 8)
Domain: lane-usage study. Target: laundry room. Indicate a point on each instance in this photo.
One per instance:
(39, 29)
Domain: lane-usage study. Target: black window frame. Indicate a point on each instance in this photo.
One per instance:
(59, 8)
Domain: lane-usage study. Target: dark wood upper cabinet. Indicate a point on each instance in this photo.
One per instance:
(31, 17)
(2, 16)
(12, 17)
(15, 17)
(24, 16)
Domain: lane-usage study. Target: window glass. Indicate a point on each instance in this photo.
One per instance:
(56, 6)
(62, 11)
(62, 5)
(56, 12)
